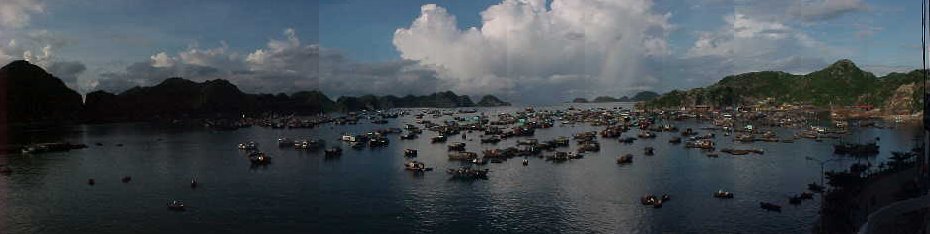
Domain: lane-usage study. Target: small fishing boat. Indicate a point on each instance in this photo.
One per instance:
(333, 152)
(410, 153)
(723, 194)
(770, 206)
(416, 166)
(248, 146)
(807, 195)
(646, 135)
(259, 158)
(176, 205)
(285, 142)
(438, 139)
(625, 159)
(468, 173)
(408, 136)
(462, 155)
(814, 187)
(627, 140)
(456, 146)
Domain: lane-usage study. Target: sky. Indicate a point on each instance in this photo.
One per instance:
(525, 51)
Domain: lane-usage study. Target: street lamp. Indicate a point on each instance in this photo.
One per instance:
(821, 162)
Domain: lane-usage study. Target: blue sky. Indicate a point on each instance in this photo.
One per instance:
(519, 48)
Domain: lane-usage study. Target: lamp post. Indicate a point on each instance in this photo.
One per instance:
(822, 163)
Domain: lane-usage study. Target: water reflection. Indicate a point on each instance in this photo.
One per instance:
(368, 190)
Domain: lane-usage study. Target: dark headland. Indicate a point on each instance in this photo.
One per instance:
(31, 95)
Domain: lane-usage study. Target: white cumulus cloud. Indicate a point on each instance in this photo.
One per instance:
(812, 10)
(527, 46)
(16, 13)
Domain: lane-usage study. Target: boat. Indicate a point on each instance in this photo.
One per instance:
(91, 182)
(248, 146)
(735, 151)
(625, 159)
(462, 155)
(176, 205)
(649, 151)
(856, 149)
(51, 147)
(490, 139)
(479, 161)
(438, 139)
(348, 138)
(646, 135)
(807, 195)
(628, 140)
(531, 141)
(654, 201)
(456, 146)
(589, 147)
(285, 142)
(675, 140)
(814, 187)
(468, 173)
(416, 166)
(723, 194)
(526, 162)
(408, 136)
(333, 152)
(194, 183)
(126, 179)
(700, 144)
(410, 153)
(378, 142)
(259, 158)
(770, 206)
(308, 144)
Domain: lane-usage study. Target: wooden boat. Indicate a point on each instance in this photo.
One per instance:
(700, 144)
(628, 140)
(723, 194)
(438, 139)
(807, 195)
(456, 146)
(333, 152)
(176, 205)
(649, 151)
(625, 159)
(815, 187)
(462, 155)
(468, 173)
(410, 153)
(248, 146)
(769, 206)
(259, 158)
(416, 166)
(646, 135)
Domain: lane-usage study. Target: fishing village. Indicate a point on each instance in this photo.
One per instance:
(476, 138)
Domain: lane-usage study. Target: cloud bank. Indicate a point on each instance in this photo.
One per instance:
(535, 49)
(283, 65)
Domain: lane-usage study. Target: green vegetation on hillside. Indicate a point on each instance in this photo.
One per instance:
(840, 84)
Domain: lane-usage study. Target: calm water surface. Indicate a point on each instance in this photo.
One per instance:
(368, 190)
